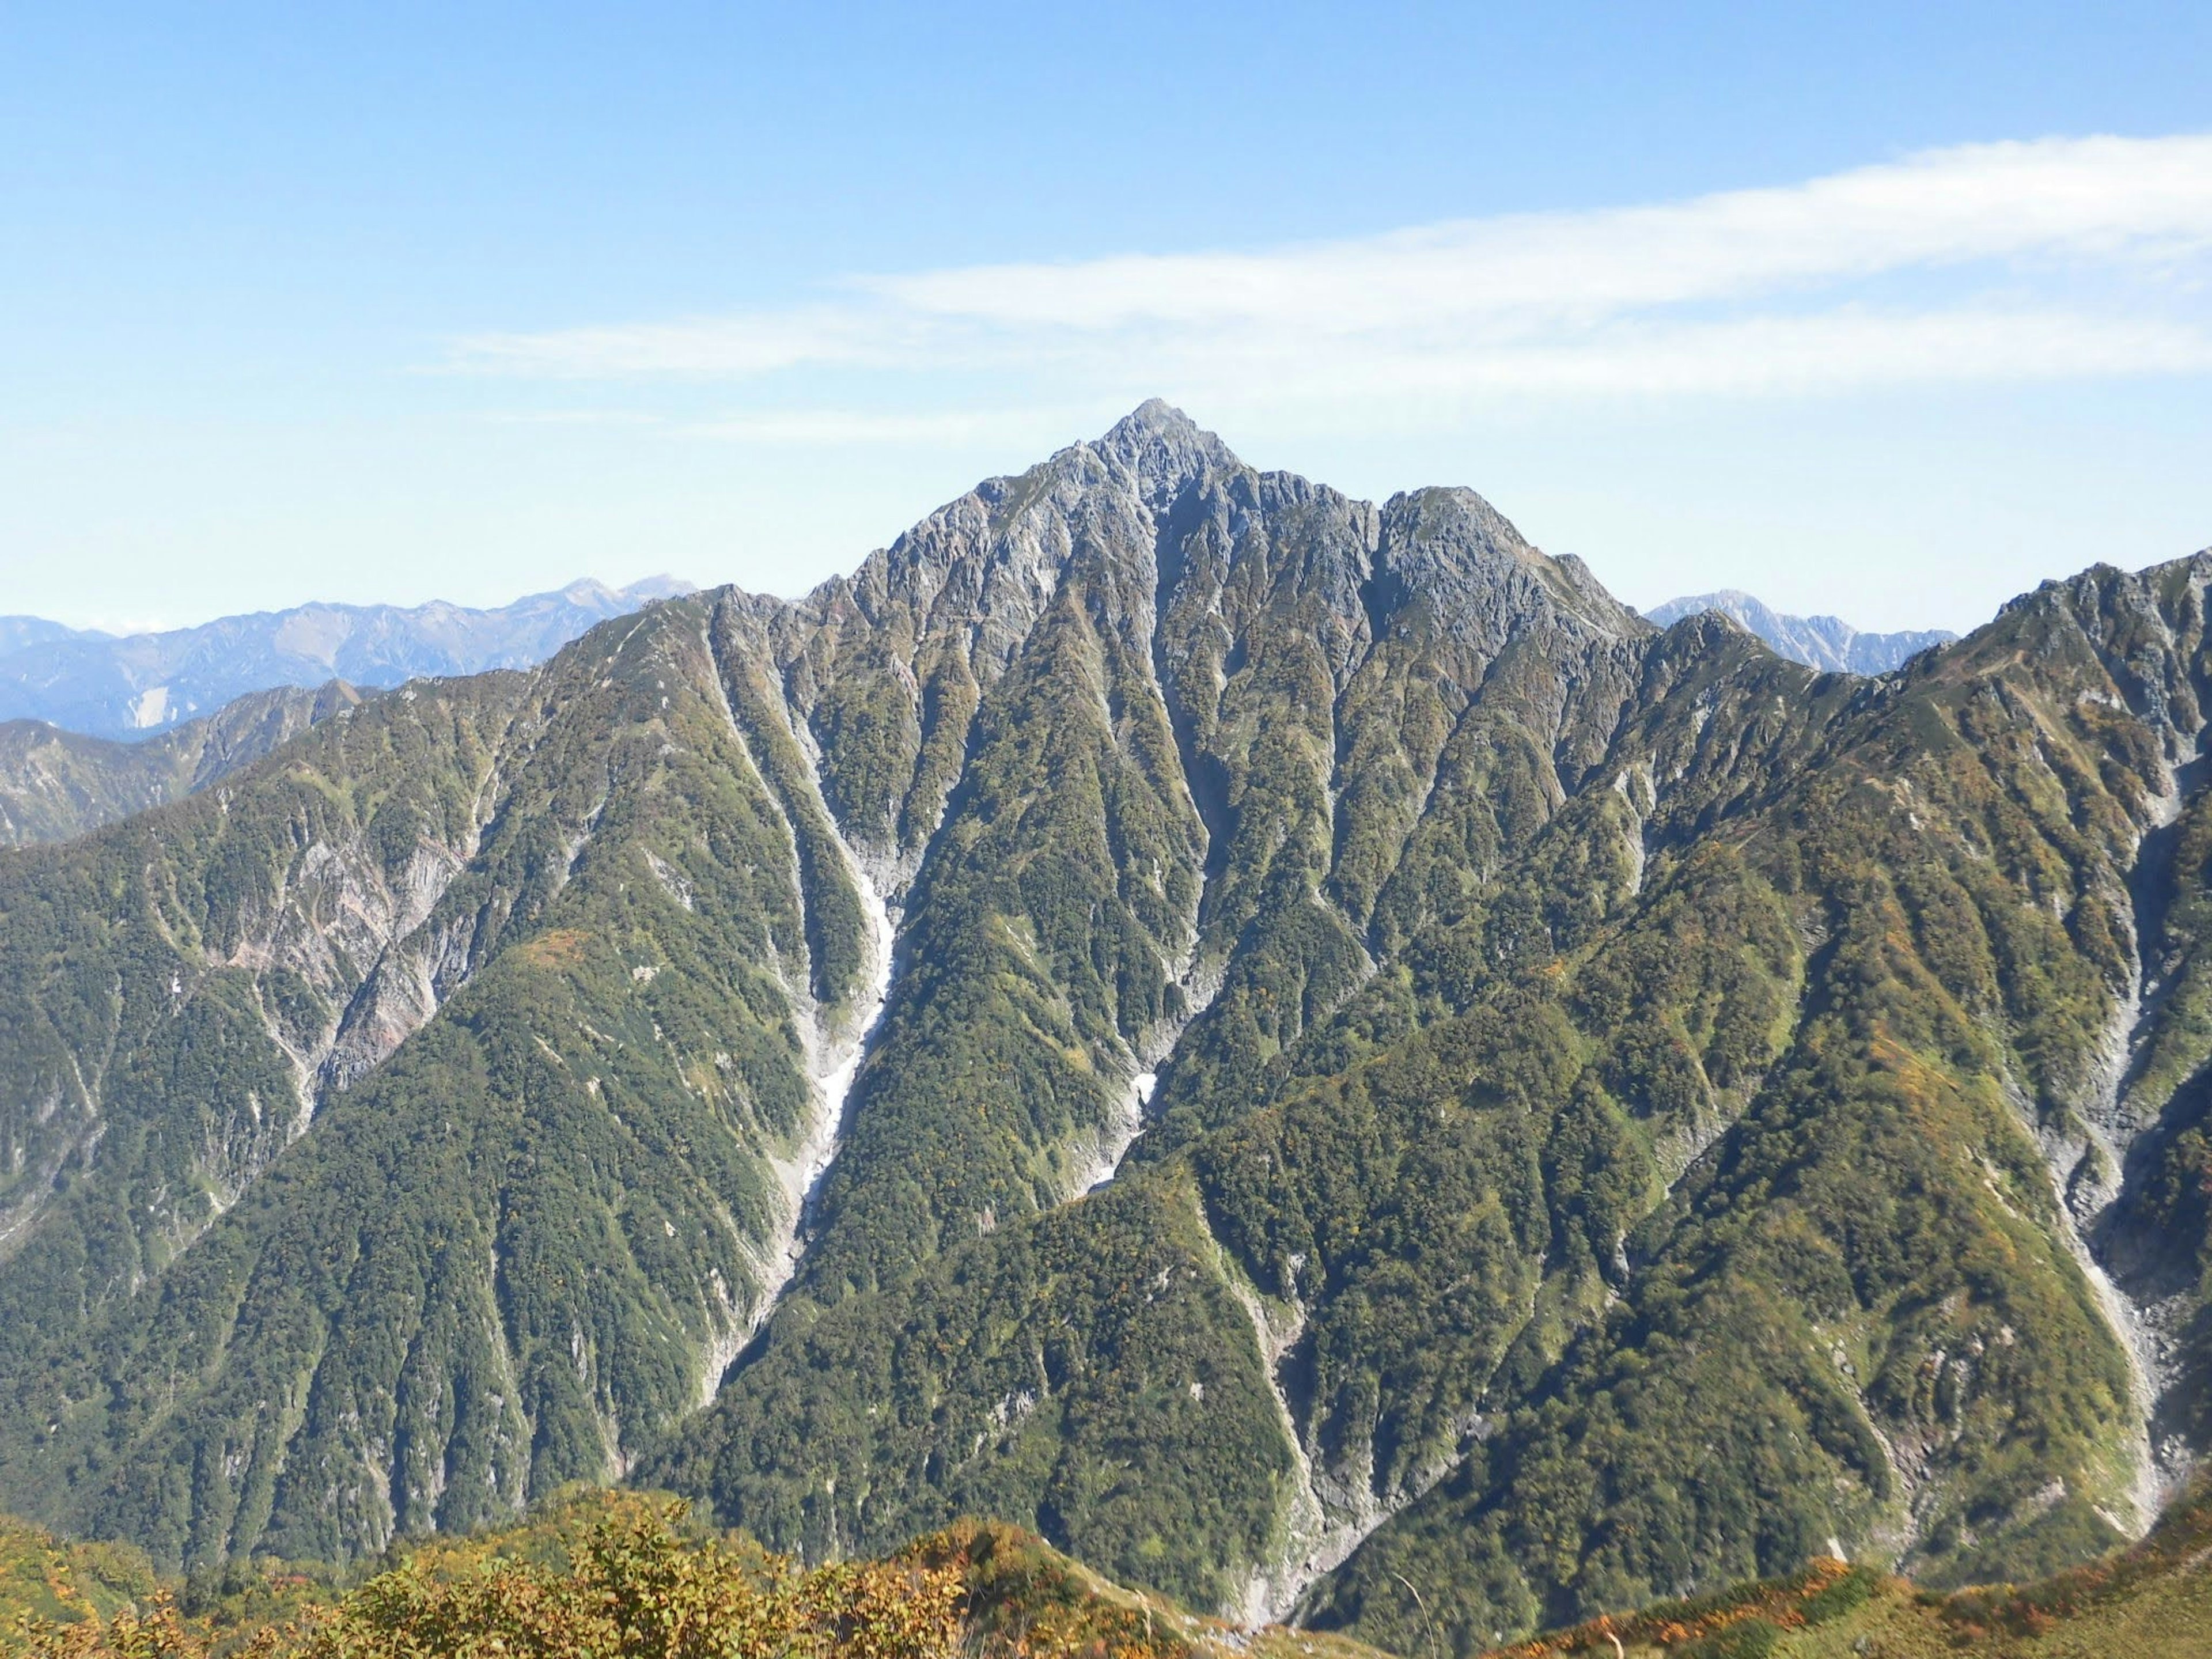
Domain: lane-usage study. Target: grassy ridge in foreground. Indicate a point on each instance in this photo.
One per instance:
(612, 1573)
(602, 1572)
(605, 1572)
(41, 1578)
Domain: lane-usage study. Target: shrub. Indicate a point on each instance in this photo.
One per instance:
(637, 1588)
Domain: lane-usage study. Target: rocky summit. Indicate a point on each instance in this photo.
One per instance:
(1294, 1047)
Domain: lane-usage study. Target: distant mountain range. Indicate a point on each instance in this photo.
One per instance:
(1292, 1045)
(1828, 643)
(110, 687)
(101, 685)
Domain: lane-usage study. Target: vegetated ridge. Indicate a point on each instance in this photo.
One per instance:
(56, 784)
(1293, 1047)
(590, 1570)
(604, 1571)
(2154, 1597)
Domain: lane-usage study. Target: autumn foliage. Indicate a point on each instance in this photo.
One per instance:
(637, 1587)
(1743, 1621)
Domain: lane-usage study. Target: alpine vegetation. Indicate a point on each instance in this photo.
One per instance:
(1293, 1047)
(56, 784)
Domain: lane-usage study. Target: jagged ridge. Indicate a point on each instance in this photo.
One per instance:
(1538, 1003)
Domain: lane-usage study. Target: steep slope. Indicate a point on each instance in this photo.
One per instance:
(1685, 965)
(110, 687)
(1292, 1046)
(1866, 1312)
(56, 784)
(1294, 665)
(404, 1125)
(1828, 643)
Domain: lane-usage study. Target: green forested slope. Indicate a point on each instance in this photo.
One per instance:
(56, 784)
(1577, 1112)
(1682, 1158)
(2154, 1597)
(490, 979)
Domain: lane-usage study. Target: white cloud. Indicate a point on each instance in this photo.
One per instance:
(1830, 351)
(2096, 198)
(2055, 258)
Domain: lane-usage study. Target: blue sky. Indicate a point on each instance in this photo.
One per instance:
(1884, 310)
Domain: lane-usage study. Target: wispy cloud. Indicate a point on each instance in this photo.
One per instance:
(2054, 258)
(844, 426)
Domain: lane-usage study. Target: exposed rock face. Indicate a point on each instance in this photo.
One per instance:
(1292, 1044)
(1828, 643)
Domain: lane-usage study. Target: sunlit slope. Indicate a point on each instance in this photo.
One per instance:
(407, 1116)
(1292, 1047)
(2153, 1598)
(1690, 1154)
(592, 1570)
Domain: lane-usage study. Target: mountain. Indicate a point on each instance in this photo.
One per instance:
(56, 784)
(1828, 643)
(1294, 1046)
(120, 688)
(17, 632)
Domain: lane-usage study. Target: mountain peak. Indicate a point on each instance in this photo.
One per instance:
(594, 594)
(1155, 892)
(1163, 446)
(662, 586)
(1156, 414)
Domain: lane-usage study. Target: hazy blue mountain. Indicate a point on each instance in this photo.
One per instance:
(144, 682)
(16, 632)
(1829, 643)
